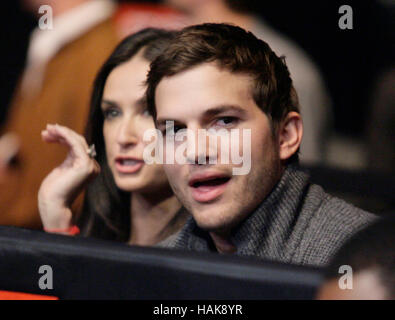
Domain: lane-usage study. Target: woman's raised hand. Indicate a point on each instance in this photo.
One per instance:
(63, 184)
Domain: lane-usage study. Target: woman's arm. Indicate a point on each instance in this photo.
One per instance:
(63, 184)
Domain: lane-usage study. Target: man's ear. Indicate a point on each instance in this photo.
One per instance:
(290, 135)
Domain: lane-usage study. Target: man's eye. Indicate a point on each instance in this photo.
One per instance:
(178, 128)
(226, 121)
(173, 129)
(110, 113)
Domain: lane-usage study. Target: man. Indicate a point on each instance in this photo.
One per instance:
(364, 268)
(217, 76)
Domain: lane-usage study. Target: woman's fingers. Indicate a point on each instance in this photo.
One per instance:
(66, 136)
(64, 183)
(51, 138)
(52, 135)
(78, 148)
(95, 169)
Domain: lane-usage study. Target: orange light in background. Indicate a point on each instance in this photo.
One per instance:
(13, 295)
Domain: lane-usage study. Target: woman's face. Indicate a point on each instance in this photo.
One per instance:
(125, 121)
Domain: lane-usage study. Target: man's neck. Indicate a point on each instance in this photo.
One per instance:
(222, 242)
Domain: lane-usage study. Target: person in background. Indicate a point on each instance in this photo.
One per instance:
(129, 200)
(381, 124)
(55, 88)
(315, 103)
(370, 254)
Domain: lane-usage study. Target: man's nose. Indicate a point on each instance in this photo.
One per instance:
(198, 148)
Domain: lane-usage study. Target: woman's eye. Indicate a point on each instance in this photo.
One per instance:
(146, 113)
(110, 113)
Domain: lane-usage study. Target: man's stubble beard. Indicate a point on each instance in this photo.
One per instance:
(252, 193)
(257, 187)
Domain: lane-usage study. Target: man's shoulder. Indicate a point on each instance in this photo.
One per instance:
(332, 223)
(336, 213)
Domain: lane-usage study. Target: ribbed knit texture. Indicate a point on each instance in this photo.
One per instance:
(296, 223)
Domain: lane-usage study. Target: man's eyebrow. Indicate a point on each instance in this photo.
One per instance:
(208, 113)
(223, 108)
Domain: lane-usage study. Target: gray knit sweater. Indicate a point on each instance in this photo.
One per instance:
(296, 223)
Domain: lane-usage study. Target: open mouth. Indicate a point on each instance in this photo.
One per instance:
(211, 182)
(128, 165)
(208, 188)
(127, 162)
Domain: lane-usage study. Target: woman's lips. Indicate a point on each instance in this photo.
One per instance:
(208, 189)
(128, 165)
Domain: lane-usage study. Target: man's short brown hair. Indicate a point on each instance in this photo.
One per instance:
(235, 50)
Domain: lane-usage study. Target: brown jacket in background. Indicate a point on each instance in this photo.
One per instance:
(63, 99)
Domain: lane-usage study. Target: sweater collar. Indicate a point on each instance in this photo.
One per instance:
(272, 220)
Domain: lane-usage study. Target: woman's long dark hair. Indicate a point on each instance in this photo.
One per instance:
(106, 208)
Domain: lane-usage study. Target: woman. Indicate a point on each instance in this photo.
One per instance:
(128, 200)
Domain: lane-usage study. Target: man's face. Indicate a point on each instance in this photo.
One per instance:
(206, 97)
